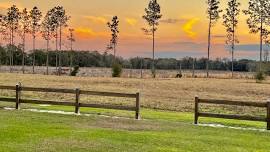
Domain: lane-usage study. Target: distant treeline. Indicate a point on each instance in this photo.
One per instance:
(96, 59)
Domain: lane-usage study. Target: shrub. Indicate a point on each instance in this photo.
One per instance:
(116, 70)
(260, 76)
(75, 70)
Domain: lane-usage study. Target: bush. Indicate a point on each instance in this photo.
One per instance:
(116, 70)
(260, 76)
(75, 70)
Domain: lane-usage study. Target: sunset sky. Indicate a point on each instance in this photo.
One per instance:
(182, 31)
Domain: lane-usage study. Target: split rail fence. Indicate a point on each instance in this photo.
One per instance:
(77, 92)
(198, 114)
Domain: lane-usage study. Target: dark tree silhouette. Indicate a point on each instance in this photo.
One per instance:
(258, 12)
(25, 24)
(11, 25)
(231, 22)
(35, 17)
(213, 13)
(2, 33)
(61, 19)
(71, 39)
(55, 26)
(113, 25)
(46, 31)
(2, 28)
(152, 16)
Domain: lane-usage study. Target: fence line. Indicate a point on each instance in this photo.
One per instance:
(77, 92)
(198, 114)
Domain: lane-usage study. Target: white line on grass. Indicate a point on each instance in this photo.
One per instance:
(231, 127)
(66, 113)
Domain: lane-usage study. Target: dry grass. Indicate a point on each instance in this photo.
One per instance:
(167, 94)
(133, 73)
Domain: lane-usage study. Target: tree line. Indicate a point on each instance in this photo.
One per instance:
(105, 60)
(258, 21)
(51, 25)
(20, 23)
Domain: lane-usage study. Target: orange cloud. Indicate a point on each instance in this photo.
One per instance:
(5, 5)
(131, 21)
(88, 33)
(96, 19)
(188, 27)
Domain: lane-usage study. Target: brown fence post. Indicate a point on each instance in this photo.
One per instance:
(77, 104)
(196, 113)
(137, 115)
(268, 116)
(18, 94)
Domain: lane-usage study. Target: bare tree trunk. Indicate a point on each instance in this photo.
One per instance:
(10, 51)
(180, 68)
(71, 57)
(209, 46)
(70, 62)
(114, 54)
(153, 47)
(56, 51)
(47, 59)
(34, 53)
(193, 68)
(12, 56)
(142, 68)
(60, 51)
(23, 70)
(233, 46)
(261, 47)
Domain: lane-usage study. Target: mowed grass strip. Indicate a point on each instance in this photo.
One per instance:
(29, 131)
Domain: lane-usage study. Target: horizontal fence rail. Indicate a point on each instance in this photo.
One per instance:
(77, 92)
(198, 114)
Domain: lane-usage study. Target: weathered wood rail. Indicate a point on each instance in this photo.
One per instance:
(198, 114)
(77, 92)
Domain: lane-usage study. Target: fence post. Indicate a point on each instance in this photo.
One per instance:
(196, 113)
(18, 94)
(137, 115)
(77, 104)
(268, 116)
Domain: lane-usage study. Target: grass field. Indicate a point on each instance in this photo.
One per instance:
(30, 131)
(131, 73)
(165, 94)
(112, 130)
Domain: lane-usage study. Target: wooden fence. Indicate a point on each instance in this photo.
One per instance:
(77, 92)
(235, 103)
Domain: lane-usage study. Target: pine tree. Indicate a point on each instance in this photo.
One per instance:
(25, 23)
(231, 22)
(35, 17)
(258, 12)
(47, 30)
(61, 19)
(152, 16)
(11, 25)
(114, 27)
(71, 39)
(213, 13)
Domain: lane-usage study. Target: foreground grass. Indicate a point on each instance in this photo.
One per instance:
(28, 131)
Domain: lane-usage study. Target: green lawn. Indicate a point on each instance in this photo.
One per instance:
(157, 131)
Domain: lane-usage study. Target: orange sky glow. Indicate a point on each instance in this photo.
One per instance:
(182, 31)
